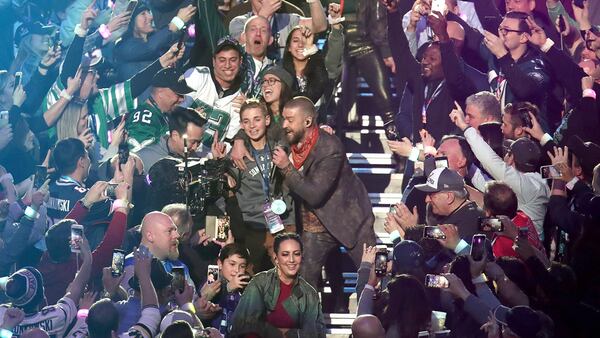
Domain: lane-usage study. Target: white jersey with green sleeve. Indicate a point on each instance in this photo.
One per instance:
(220, 114)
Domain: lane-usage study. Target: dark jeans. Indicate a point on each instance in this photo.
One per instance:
(317, 246)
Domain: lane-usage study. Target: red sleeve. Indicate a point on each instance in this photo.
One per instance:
(502, 246)
(113, 239)
(78, 212)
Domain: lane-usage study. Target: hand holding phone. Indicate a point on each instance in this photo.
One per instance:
(178, 282)
(381, 260)
(213, 274)
(433, 232)
(490, 224)
(118, 261)
(76, 237)
(436, 281)
(478, 250)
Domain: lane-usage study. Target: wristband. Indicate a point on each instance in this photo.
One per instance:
(589, 93)
(121, 203)
(189, 307)
(571, 184)
(394, 235)
(545, 138)
(310, 51)
(4, 333)
(178, 22)
(80, 31)
(83, 313)
(333, 21)
(5, 176)
(547, 45)
(310, 1)
(414, 154)
(104, 31)
(43, 66)
(460, 246)
(66, 95)
(31, 214)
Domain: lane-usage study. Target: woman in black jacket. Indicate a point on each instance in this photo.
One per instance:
(142, 44)
(305, 62)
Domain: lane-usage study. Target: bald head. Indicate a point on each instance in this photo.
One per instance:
(35, 333)
(160, 235)
(367, 326)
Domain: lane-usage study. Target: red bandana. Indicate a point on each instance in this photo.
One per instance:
(299, 154)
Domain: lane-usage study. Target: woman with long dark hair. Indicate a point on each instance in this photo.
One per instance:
(308, 70)
(278, 301)
(408, 310)
(142, 44)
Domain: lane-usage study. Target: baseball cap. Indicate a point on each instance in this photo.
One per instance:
(407, 256)
(442, 179)
(588, 154)
(30, 28)
(228, 42)
(522, 320)
(282, 74)
(172, 79)
(526, 153)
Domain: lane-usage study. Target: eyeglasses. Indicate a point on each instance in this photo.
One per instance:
(271, 81)
(505, 31)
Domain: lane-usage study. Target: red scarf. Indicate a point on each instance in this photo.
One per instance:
(299, 154)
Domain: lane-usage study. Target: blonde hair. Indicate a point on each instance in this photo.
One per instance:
(66, 126)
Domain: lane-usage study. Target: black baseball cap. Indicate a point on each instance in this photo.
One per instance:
(228, 42)
(442, 179)
(30, 28)
(172, 79)
(407, 257)
(521, 319)
(526, 153)
(588, 154)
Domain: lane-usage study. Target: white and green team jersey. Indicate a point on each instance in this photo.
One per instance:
(109, 104)
(220, 114)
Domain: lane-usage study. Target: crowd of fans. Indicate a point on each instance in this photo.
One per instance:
(170, 168)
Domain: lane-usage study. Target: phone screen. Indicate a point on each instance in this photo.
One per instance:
(4, 116)
(18, 79)
(118, 260)
(549, 172)
(436, 281)
(491, 224)
(478, 247)
(41, 174)
(381, 259)
(213, 274)
(76, 234)
(178, 278)
(433, 232)
(131, 6)
(222, 228)
(441, 162)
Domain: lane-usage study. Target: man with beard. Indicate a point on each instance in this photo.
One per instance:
(160, 237)
(332, 202)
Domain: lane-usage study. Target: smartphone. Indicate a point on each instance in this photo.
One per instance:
(110, 191)
(433, 232)
(55, 39)
(123, 152)
(181, 40)
(41, 173)
(18, 79)
(76, 235)
(490, 224)
(578, 3)
(381, 260)
(478, 247)
(4, 116)
(217, 227)
(562, 25)
(523, 232)
(118, 261)
(131, 6)
(436, 281)
(439, 6)
(392, 209)
(213, 274)
(441, 162)
(178, 282)
(549, 172)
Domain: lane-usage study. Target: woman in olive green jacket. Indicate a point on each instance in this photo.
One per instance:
(278, 302)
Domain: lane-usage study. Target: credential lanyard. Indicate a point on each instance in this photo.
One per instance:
(264, 174)
(427, 102)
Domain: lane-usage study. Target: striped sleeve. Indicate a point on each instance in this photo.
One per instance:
(53, 95)
(111, 103)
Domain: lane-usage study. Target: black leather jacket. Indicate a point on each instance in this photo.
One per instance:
(366, 30)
